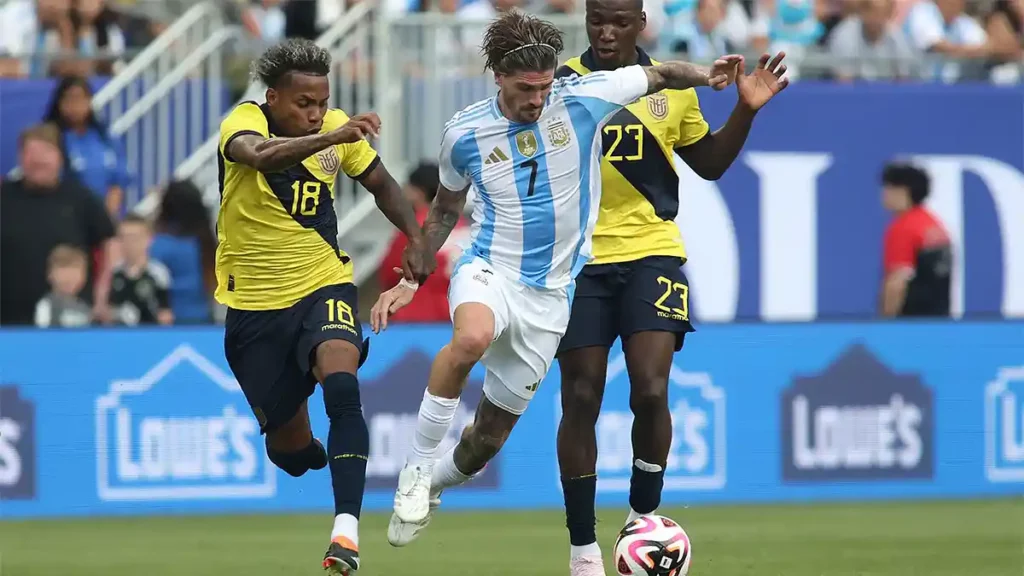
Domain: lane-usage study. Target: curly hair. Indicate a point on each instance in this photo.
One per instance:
(293, 55)
(519, 42)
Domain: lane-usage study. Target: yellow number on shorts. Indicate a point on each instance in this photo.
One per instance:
(339, 311)
(636, 130)
(306, 201)
(674, 288)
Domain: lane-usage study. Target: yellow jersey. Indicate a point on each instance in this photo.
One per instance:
(278, 232)
(640, 186)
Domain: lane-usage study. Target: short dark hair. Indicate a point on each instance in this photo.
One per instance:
(908, 176)
(519, 42)
(425, 177)
(292, 55)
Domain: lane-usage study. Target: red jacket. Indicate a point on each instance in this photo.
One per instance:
(431, 301)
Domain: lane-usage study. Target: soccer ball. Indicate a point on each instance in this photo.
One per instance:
(652, 545)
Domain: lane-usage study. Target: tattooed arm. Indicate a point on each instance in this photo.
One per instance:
(678, 75)
(441, 220)
(443, 216)
(275, 154)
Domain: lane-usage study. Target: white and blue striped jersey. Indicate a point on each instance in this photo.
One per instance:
(538, 185)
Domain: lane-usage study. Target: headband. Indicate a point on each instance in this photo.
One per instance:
(548, 46)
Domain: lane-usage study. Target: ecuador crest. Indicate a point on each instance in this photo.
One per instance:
(657, 105)
(328, 160)
(526, 143)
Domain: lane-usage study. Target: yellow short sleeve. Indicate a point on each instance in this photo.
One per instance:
(692, 127)
(246, 118)
(357, 158)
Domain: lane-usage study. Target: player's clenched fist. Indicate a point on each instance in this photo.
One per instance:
(358, 127)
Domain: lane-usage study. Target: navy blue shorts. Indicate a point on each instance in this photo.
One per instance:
(271, 352)
(618, 300)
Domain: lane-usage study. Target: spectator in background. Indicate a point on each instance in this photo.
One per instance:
(38, 212)
(789, 26)
(139, 287)
(704, 29)
(33, 34)
(98, 34)
(868, 46)
(917, 256)
(92, 155)
(67, 272)
(941, 28)
(430, 304)
(185, 244)
(265, 19)
(1004, 24)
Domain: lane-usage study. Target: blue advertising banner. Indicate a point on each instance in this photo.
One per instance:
(151, 421)
(793, 231)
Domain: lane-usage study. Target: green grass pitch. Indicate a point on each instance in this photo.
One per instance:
(959, 538)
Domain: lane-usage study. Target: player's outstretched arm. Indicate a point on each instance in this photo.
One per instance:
(443, 216)
(712, 155)
(417, 261)
(677, 75)
(279, 153)
(441, 220)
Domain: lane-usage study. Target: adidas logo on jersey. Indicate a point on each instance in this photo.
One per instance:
(496, 156)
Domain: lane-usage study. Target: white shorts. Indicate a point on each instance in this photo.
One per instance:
(528, 324)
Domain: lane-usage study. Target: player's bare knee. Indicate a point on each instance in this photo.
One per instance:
(335, 356)
(470, 343)
(581, 400)
(648, 394)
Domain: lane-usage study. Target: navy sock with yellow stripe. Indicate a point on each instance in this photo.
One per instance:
(579, 494)
(348, 442)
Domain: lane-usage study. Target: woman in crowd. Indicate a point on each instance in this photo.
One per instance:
(184, 242)
(92, 155)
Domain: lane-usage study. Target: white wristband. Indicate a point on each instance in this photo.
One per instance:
(414, 286)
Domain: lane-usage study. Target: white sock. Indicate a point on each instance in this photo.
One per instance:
(346, 525)
(591, 550)
(432, 423)
(445, 474)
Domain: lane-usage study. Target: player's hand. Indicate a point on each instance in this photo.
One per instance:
(763, 83)
(724, 71)
(358, 127)
(387, 304)
(418, 262)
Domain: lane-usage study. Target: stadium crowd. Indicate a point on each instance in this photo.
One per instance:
(95, 262)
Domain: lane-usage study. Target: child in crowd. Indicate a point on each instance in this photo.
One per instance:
(139, 290)
(67, 272)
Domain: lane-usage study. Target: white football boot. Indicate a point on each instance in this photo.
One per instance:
(586, 566)
(412, 499)
(402, 533)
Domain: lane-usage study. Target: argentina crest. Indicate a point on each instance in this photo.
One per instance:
(526, 143)
(657, 105)
(329, 160)
(558, 133)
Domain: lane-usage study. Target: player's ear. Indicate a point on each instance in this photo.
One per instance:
(643, 20)
(271, 96)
